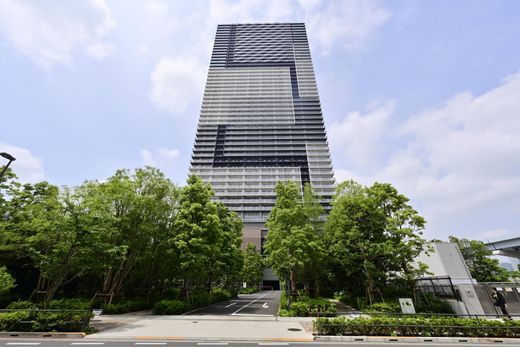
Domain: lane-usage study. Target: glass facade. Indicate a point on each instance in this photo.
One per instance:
(261, 119)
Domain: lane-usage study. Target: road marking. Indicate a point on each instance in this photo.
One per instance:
(87, 343)
(159, 337)
(265, 305)
(212, 343)
(233, 303)
(253, 314)
(241, 308)
(24, 343)
(150, 343)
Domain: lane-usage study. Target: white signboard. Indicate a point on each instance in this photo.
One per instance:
(406, 305)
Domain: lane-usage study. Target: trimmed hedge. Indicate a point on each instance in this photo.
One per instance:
(22, 304)
(416, 326)
(126, 306)
(249, 290)
(198, 299)
(70, 304)
(310, 307)
(170, 307)
(45, 320)
(57, 304)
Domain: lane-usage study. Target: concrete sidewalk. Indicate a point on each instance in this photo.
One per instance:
(213, 328)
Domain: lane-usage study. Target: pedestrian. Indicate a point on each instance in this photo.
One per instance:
(500, 301)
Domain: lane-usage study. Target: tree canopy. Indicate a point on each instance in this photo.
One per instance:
(482, 267)
(134, 234)
(372, 232)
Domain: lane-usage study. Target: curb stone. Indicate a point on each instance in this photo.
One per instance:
(416, 339)
(27, 334)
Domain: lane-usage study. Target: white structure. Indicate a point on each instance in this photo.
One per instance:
(446, 261)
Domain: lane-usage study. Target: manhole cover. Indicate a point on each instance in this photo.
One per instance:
(294, 329)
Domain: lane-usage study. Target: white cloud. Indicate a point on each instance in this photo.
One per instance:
(359, 137)
(160, 157)
(100, 50)
(178, 78)
(27, 167)
(147, 157)
(176, 82)
(345, 23)
(458, 162)
(169, 153)
(494, 234)
(50, 32)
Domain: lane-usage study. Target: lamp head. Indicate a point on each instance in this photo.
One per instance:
(7, 156)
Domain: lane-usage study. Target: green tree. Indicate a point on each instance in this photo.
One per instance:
(482, 267)
(292, 241)
(198, 230)
(373, 229)
(46, 225)
(139, 212)
(253, 268)
(7, 282)
(228, 264)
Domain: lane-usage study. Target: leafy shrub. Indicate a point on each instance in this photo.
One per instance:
(57, 304)
(249, 290)
(387, 307)
(170, 307)
(70, 304)
(200, 299)
(310, 307)
(221, 294)
(41, 320)
(13, 321)
(21, 304)
(7, 281)
(417, 326)
(126, 306)
(433, 304)
(356, 302)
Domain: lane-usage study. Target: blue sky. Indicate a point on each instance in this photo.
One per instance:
(422, 94)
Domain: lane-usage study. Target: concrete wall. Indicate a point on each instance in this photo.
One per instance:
(446, 260)
(252, 233)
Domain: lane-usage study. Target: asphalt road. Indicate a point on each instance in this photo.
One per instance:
(108, 343)
(263, 303)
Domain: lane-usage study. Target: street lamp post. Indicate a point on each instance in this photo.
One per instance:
(8, 157)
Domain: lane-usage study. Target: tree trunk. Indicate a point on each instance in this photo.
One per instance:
(370, 280)
(294, 292)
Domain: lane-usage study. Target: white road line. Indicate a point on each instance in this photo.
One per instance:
(212, 343)
(253, 314)
(24, 343)
(241, 308)
(150, 343)
(87, 343)
(233, 303)
(265, 305)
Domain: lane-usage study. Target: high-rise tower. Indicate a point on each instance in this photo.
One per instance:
(261, 121)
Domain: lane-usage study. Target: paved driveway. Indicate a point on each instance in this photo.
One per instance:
(263, 303)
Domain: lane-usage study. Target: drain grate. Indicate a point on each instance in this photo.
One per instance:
(294, 329)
